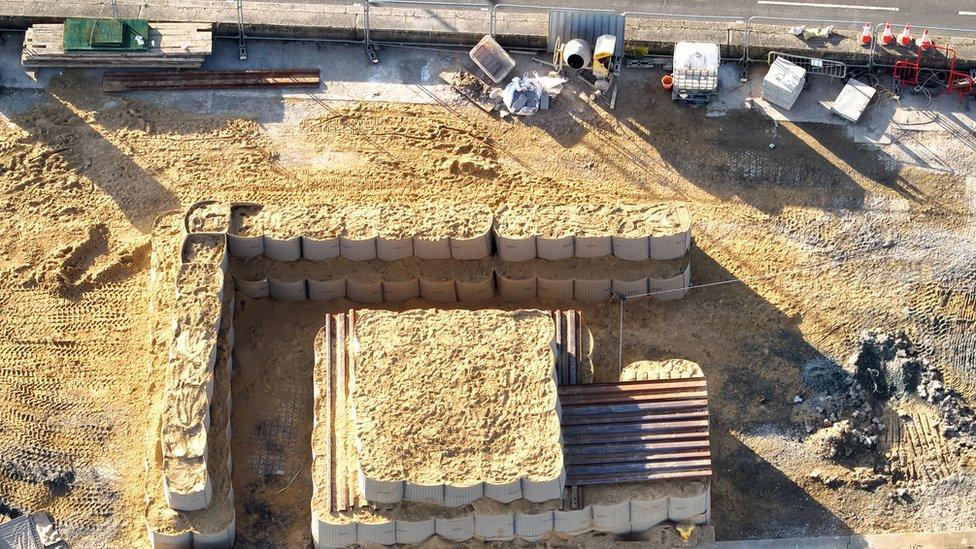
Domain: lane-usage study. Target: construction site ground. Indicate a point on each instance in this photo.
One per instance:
(826, 236)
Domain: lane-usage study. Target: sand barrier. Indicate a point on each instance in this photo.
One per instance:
(473, 292)
(672, 288)
(629, 287)
(246, 235)
(207, 216)
(288, 290)
(206, 248)
(442, 291)
(401, 290)
(315, 249)
(636, 248)
(358, 249)
(495, 527)
(557, 248)
(432, 248)
(364, 291)
(547, 288)
(692, 499)
(326, 290)
(393, 249)
(516, 249)
(253, 288)
(613, 518)
(469, 249)
(599, 289)
(458, 496)
(456, 529)
(533, 527)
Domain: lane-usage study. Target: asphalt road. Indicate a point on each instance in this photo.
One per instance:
(918, 13)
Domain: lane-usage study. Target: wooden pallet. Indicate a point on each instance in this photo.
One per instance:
(170, 45)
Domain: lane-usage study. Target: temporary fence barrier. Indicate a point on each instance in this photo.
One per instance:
(632, 16)
(854, 26)
(895, 51)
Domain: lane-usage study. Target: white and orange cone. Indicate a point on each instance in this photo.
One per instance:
(905, 38)
(887, 37)
(866, 35)
(925, 42)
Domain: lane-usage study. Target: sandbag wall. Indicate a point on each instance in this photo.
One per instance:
(195, 432)
(556, 232)
(624, 517)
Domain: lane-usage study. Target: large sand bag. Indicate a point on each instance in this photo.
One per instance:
(532, 527)
(672, 288)
(671, 246)
(612, 518)
(629, 287)
(358, 249)
(631, 248)
(189, 501)
(594, 246)
(467, 249)
(555, 289)
(325, 534)
(252, 288)
(283, 249)
(543, 490)
(288, 290)
(424, 494)
(691, 498)
(592, 290)
(505, 493)
(573, 522)
(383, 533)
(380, 491)
(394, 249)
(456, 529)
(516, 249)
(474, 292)
(555, 249)
(400, 290)
(432, 248)
(319, 250)
(414, 532)
(457, 496)
(512, 289)
(442, 291)
(364, 291)
(494, 527)
(326, 290)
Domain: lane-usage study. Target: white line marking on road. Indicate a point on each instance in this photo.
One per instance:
(968, 13)
(812, 5)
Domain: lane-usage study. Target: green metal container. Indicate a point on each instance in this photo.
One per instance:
(106, 34)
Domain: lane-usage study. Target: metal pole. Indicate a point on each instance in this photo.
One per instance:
(115, 9)
(620, 346)
(241, 48)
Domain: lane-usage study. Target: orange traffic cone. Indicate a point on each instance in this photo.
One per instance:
(887, 37)
(905, 38)
(925, 42)
(866, 35)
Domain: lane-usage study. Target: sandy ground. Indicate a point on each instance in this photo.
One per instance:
(858, 240)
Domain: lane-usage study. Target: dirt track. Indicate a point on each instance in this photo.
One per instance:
(85, 175)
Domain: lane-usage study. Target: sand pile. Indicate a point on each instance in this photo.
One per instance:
(675, 368)
(559, 220)
(456, 397)
(189, 385)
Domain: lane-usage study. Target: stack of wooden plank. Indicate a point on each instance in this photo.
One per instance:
(174, 45)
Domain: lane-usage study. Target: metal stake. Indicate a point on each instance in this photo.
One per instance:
(242, 49)
(620, 346)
